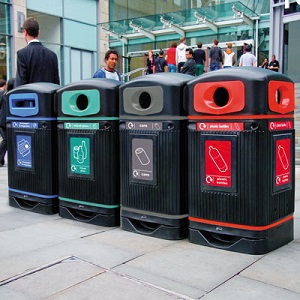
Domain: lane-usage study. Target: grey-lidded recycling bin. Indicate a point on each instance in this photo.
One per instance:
(32, 148)
(153, 155)
(241, 145)
(88, 151)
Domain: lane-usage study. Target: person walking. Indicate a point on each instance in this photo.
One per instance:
(274, 64)
(160, 64)
(189, 66)
(150, 62)
(215, 56)
(3, 103)
(180, 54)
(248, 59)
(2, 87)
(109, 71)
(200, 58)
(35, 62)
(228, 57)
(171, 58)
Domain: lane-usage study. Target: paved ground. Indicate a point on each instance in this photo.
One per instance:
(48, 257)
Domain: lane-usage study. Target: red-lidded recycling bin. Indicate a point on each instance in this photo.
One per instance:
(241, 160)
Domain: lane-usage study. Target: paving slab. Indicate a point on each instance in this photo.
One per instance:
(108, 286)
(279, 268)
(53, 279)
(190, 269)
(243, 288)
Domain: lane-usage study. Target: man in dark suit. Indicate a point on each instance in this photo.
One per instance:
(35, 63)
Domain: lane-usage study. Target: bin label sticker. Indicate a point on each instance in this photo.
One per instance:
(218, 163)
(82, 126)
(142, 159)
(144, 125)
(283, 162)
(24, 151)
(25, 124)
(212, 126)
(80, 155)
(280, 125)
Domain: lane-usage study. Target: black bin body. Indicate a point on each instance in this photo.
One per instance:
(153, 157)
(32, 148)
(88, 156)
(241, 160)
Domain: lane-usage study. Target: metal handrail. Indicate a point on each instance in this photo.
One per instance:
(126, 75)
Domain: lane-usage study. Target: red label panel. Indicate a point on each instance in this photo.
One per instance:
(280, 125)
(218, 163)
(209, 126)
(283, 162)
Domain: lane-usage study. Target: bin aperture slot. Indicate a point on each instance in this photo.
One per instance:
(281, 96)
(81, 102)
(24, 105)
(219, 97)
(143, 100)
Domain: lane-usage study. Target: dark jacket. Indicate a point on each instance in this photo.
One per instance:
(3, 110)
(189, 67)
(36, 63)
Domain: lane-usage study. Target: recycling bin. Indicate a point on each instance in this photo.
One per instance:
(241, 160)
(88, 151)
(32, 148)
(153, 156)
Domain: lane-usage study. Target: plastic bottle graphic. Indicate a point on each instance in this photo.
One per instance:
(142, 156)
(217, 159)
(283, 157)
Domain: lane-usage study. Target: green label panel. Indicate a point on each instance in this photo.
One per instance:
(80, 158)
(84, 126)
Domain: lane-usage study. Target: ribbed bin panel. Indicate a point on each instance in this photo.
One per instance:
(169, 195)
(253, 204)
(41, 178)
(102, 187)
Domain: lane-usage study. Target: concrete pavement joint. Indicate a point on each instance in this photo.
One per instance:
(25, 274)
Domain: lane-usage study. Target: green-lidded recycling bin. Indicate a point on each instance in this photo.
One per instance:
(153, 156)
(32, 148)
(241, 160)
(88, 151)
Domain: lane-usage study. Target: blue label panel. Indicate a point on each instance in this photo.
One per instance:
(25, 124)
(24, 151)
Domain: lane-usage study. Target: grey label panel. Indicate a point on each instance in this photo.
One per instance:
(144, 125)
(142, 159)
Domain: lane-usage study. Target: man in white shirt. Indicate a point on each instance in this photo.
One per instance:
(248, 59)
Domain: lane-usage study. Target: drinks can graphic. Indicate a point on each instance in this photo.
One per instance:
(218, 159)
(142, 156)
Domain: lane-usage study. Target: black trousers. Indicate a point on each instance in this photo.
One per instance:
(3, 145)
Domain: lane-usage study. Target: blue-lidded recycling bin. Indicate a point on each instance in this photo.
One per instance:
(32, 148)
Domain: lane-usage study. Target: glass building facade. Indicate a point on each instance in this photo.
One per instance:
(137, 26)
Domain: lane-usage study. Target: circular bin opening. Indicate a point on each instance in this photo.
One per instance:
(145, 100)
(221, 96)
(82, 102)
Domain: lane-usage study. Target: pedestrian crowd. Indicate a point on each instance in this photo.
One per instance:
(183, 59)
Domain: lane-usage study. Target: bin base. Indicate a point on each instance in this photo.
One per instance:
(270, 239)
(157, 225)
(90, 214)
(33, 203)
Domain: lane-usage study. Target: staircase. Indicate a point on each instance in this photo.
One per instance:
(297, 123)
